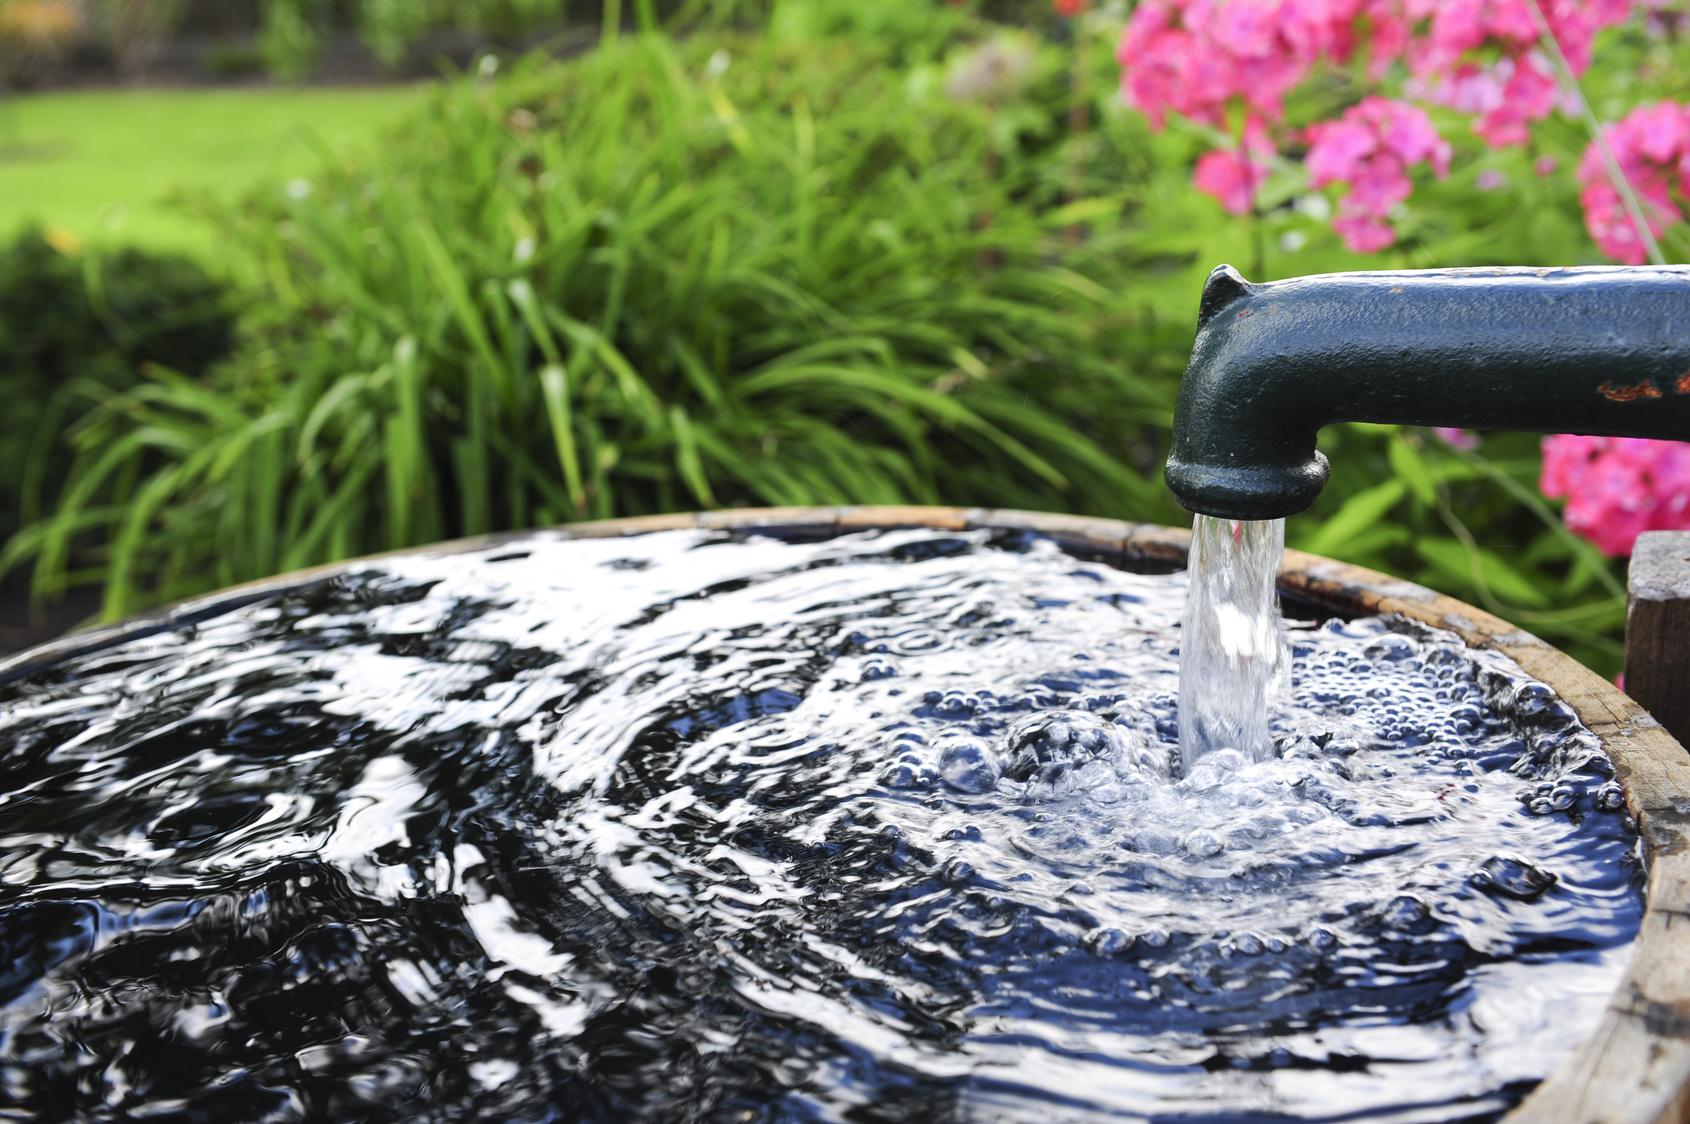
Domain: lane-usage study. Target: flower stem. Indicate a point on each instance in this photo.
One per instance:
(611, 25)
(1598, 134)
(1079, 96)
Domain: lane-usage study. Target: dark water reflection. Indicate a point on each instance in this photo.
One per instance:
(694, 828)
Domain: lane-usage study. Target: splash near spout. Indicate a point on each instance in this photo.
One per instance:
(1233, 655)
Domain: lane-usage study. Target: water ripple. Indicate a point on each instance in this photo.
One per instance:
(709, 827)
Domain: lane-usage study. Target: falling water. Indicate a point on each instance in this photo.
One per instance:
(1233, 654)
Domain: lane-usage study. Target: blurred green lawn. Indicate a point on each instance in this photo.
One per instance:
(99, 163)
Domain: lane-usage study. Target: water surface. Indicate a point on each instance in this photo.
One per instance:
(696, 827)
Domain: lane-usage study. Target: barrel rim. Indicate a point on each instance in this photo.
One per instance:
(1633, 1069)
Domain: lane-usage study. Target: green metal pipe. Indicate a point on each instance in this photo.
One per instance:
(1598, 350)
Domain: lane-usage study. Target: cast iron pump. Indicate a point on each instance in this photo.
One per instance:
(1601, 350)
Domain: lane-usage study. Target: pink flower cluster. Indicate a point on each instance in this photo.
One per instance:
(1208, 59)
(1505, 96)
(1618, 487)
(1370, 148)
(1652, 145)
(1232, 175)
(1193, 57)
(1520, 86)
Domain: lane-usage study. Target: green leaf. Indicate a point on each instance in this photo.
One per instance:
(1359, 513)
(1411, 469)
(554, 386)
(1471, 567)
(686, 457)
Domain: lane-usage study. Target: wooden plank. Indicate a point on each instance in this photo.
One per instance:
(1657, 628)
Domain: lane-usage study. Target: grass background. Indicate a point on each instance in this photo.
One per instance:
(103, 164)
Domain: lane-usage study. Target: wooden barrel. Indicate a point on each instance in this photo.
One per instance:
(1635, 1066)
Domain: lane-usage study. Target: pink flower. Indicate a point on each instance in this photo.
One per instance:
(1492, 180)
(1652, 146)
(1466, 89)
(1208, 59)
(1457, 438)
(1520, 86)
(1545, 165)
(1458, 27)
(1364, 234)
(1618, 487)
(1339, 149)
(1068, 9)
(1193, 57)
(1370, 148)
(1610, 226)
(1531, 94)
(1656, 132)
(1576, 23)
(1232, 175)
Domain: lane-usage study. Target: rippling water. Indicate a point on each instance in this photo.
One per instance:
(697, 827)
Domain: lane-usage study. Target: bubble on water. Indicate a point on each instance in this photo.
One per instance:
(1203, 843)
(967, 764)
(1248, 944)
(1213, 769)
(1109, 942)
(1513, 877)
(878, 669)
(908, 774)
(1390, 648)
(1405, 912)
(1156, 840)
(1046, 747)
(959, 873)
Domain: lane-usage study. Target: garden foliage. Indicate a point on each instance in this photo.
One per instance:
(293, 32)
(878, 252)
(76, 325)
(737, 271)
(1260, 76)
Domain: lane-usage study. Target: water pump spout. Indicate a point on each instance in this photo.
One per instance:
(1595, 350)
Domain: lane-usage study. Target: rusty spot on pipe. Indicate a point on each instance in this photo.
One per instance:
(1684, 383)
(1644, 389)
(1243, 314)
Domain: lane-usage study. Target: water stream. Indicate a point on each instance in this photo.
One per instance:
(709, 827)
(1233, 652)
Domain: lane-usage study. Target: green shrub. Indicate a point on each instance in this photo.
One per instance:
(633, 283)
(76, 328)
(642, 282)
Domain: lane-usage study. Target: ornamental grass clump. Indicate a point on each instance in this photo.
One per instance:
(77, 323)
(659, 277)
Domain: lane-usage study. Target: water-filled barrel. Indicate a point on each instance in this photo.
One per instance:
(77, 958)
